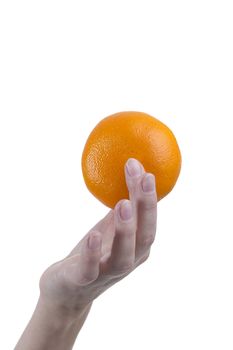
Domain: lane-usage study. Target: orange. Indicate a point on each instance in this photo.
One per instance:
(125, 135)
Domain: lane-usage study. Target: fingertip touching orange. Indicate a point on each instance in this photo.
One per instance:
(125, 135)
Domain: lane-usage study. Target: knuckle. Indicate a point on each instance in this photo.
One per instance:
(147, 241)
(126, 227)
(132, 180)
(145, 258)
(126, 232)
(92, 259)
(147, 201)
(149, 204)
(132, 184)
(123, 268)
(86, 278)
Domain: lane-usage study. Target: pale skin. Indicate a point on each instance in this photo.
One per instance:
(111, 250)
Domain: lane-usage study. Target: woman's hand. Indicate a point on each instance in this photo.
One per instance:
(112, 249)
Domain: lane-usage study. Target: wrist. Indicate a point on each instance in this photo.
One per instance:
(52, 327)
(60, 317)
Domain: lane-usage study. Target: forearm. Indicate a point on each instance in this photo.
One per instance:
(52, 328)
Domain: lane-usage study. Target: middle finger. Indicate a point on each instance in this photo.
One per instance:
(142, 193)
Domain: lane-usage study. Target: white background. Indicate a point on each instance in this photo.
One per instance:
(64, 65)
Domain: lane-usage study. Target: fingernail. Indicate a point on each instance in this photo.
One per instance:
(148, 183)
(133, 167)
(94, 241)
(126, 211)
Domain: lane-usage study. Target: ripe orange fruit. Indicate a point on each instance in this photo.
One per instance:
(125, 135)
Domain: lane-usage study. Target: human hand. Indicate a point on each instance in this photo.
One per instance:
(112, 249)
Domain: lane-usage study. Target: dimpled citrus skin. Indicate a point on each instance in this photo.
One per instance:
(125, 135)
